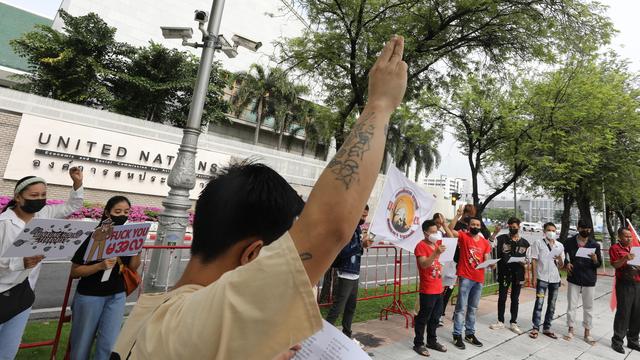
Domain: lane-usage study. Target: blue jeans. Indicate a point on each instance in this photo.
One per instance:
(11, 334)
(95, 317)
(469, 294)
(541, 290)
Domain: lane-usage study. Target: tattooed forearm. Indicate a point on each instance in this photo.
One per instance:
(305, 256)
(346, 163)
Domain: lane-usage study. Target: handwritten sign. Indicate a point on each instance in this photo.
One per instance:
(53, 238)
(125, 240)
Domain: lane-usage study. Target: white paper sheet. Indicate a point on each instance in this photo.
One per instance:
(447, 255)
(330, 344)
(487, 263)
(106, 274)
(636, 260)
(516, 259)
(585, 252)
(53, 238)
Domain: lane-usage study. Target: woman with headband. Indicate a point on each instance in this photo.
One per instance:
(18, 275)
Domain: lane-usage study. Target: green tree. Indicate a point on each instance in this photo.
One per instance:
(156, 84)
(499, 214)
(286, 101)
(313, 122)
(71, 65)
(340, 48)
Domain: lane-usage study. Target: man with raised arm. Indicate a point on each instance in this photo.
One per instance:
(246, 293)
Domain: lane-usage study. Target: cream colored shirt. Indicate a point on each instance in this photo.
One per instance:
(253, 312)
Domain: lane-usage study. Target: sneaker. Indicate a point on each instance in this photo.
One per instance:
(634, 346)
(515, 328)
(471, 339)
(457, 342)
(497, 326)
(618, 348)
(441, 322)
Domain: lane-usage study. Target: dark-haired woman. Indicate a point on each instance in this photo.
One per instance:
(98, 306)
(18, 275)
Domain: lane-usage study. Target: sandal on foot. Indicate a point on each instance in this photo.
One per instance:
(589, 340)
(550, 334)
(437, 347)
(569, 336)
(533, 334)
(421, 350)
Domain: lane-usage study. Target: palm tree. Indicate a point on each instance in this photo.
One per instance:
(255, 88)
(285, 103)
(313, 122)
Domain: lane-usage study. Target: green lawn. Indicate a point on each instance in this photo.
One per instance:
(367, 310)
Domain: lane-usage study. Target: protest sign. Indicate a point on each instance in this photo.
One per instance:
(53, 238)
(125, 240)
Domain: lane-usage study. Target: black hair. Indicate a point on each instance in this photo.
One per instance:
(475, 218)
(621, 230)
(243, 200)
(366, 207)
(427, 224)
(584, 224)
(544, 227)
(513, 220)
(436, 216)
(12, 203)
(111, 203)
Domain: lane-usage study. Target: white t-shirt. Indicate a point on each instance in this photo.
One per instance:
(546, 269)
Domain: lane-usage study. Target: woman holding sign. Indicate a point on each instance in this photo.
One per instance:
(18, 275)
(99, 301)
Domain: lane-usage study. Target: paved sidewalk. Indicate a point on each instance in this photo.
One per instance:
(390, 340)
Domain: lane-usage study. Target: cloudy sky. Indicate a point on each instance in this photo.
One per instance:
(262, 20)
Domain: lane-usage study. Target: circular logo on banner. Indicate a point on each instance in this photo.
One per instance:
(402, 214)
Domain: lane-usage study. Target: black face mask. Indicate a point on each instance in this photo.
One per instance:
(585, 233)
(33, 206)
(513, 231)
(474, 231)
(119, 220)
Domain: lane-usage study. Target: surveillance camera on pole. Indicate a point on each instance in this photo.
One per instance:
(245, 43)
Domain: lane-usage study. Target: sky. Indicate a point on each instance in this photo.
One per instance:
(260, 21)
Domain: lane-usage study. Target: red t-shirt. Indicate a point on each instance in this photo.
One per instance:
(431, 277)
(616, 252)
(472, 254)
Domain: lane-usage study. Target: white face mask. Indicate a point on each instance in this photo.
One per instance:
(435, 237)
(551, 235)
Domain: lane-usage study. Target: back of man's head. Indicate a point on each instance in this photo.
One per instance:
(244, 200)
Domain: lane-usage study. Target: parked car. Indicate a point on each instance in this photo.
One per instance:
(530, 226)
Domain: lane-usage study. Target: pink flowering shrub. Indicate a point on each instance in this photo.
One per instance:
(94, 211)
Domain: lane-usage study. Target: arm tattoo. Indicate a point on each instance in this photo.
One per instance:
(305, 256)
(345, 165)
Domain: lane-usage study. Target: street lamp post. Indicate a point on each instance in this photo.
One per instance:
(173, 221)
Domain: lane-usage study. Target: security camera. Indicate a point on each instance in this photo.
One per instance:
(176, 32)
(201, 16)
(246, 43)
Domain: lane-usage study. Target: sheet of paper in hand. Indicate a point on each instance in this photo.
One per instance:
(53, 238)
(330, 344)
(636, 260)
(125, 240)
(487, 263)
(585, 252)
(516, 259)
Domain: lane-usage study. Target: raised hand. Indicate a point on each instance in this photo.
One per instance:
(76, 175)
(388, 76)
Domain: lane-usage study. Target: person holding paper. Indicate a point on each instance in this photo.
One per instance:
(99, 303)
(581, 278)
(547, 257)
(18, 276)
(246, 292)
(473, 250)
(430, 271)
(627, 320)
(510, 274)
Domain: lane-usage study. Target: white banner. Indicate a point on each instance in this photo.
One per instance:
(401, 210)
(53, 238)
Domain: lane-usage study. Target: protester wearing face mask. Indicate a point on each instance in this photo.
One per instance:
(510, 275)
(449, 277)
(547, 257)
(581, 278)
(18, 275)
(98, 306)
(473, 250)
(430, 270)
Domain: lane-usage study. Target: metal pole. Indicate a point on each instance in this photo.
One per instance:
(604, 218)
(515, 201)
(173, 221)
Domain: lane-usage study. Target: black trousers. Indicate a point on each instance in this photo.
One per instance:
(344, 302)
(446, 295)
(627, 319)
(503, 289)
(428, 316)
